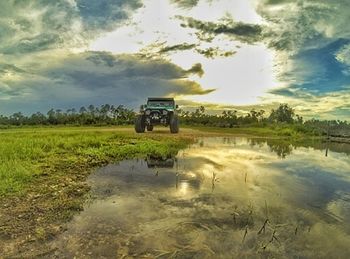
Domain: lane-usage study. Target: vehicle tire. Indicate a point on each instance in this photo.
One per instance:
(174, 124)
(149, 127)
(140, 124)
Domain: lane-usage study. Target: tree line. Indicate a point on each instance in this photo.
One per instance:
(284, 116)
(231, 118)
(107, 114)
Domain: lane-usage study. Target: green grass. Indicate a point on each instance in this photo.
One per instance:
(28, 153)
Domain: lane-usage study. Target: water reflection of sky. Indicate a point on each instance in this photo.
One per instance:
(213, 200)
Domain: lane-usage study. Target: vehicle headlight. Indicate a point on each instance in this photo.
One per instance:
(147, 112)
(165, 112)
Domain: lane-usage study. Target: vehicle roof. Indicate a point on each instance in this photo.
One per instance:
(160, 99)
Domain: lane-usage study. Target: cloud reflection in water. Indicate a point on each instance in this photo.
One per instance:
(177, 212)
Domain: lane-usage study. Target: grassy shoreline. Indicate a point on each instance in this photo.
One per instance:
(285, 133)
(27, 154)
(282, 131)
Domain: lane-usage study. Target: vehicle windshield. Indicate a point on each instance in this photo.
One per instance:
(160, 103)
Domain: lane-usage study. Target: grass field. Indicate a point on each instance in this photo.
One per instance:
(27, 153)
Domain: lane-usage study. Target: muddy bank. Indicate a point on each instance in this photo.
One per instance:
(30, 220)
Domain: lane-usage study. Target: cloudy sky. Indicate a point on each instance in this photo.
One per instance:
(224, 54)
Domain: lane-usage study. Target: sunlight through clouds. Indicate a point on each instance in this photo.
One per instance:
(240, 78)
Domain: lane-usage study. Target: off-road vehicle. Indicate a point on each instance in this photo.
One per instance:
(160, 162)
(157, 111)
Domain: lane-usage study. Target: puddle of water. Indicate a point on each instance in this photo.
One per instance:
(221, 197)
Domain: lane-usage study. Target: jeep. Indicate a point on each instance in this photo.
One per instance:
(157, 111)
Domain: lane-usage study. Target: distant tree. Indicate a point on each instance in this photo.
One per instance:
(91, 108)
(253, 116)
(299, 119)
(4, 120)
(82, 110)
(260, 115)
(17, 118)
(104, 111)
(283, 113)
(229, 118)
(37, 119)
(199, 112)
(52, 116)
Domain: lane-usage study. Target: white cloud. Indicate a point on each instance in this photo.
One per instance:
(343, 55)
(241, 78)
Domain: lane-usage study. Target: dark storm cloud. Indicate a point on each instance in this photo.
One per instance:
(133, 66)
(185, 3)
(210, 52)
(102, 58)
(298, 25)
(43, 41)
(177, 47)
(284, 92)
(6, 91)
(277, 2)
(100, 77)
(102, 69)
(9, 68)
(214, 52)
(196, 69)
(248, 33)
(36, 25)
(104, 14)
(160, 49)
(29, 26)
